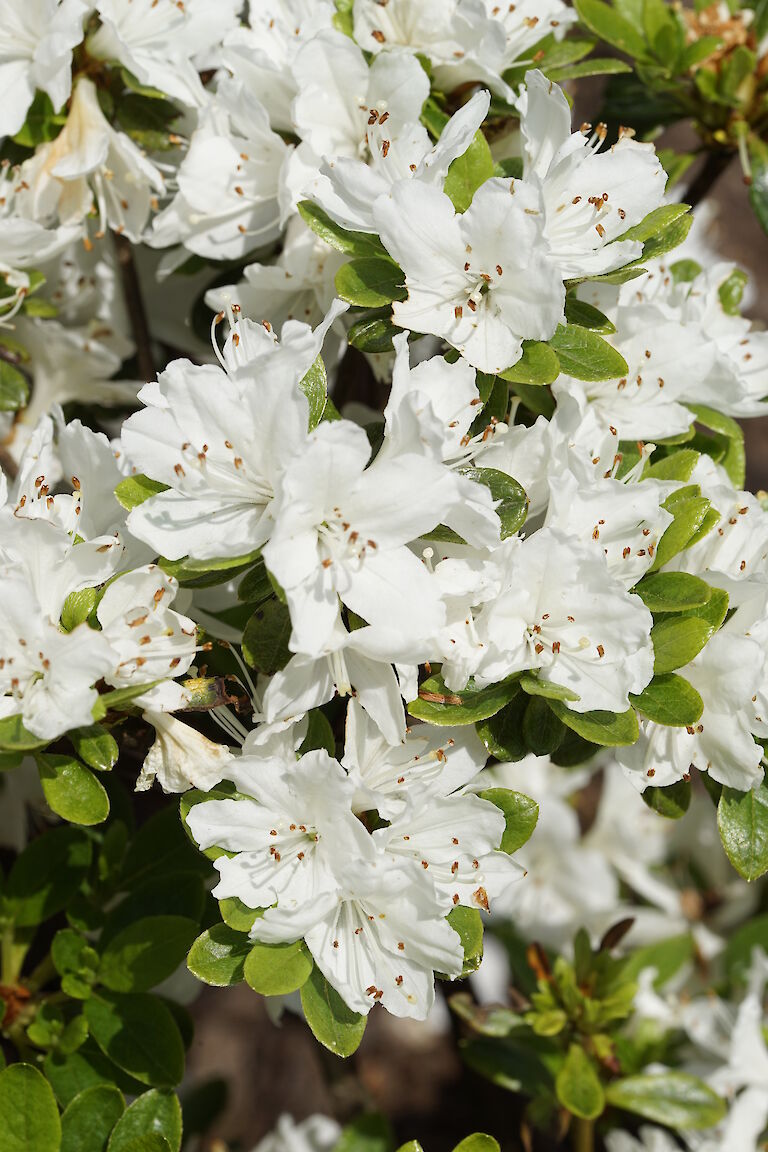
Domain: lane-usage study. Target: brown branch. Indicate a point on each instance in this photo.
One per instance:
(715, 164)
(135, 305)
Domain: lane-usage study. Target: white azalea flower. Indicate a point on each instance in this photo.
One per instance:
(36, 42)
(427, 761)
(397, 150)
(590, 198)
(480, 280)
(89, 157)
(315, 1134)
(164, 44)
(226, 204)
(181, 757)
(561, 612)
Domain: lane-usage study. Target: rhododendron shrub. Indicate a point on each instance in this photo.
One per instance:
(373, 500)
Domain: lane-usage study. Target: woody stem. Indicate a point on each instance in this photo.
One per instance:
(711, 171)
(583, 1133)
(135, 304)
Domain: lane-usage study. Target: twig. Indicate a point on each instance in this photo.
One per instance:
(583, 1132)
(135, 305)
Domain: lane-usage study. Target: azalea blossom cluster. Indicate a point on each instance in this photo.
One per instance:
(541, 538)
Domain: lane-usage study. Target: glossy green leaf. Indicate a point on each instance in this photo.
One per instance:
(673, 592)
(14, 390)
(134, 490)
(373, 334)
(154, 1112)
(742, 818)
(478, 1142)
(578, 1086)
(689, 515)
(139, 1033)
(146, 952)
(587, 356)
(277, 969)
(669, 699)
(671, 1098)
(351, 243)
(611, 26)
(587, 316)
(314, 385)
(77, 607)
(335, 1025)
(655, 222)
(609, 729)
(468, 172)
(502, 733)
(521, 814)
(509, 496)
(47, 875)
(96, 746)
(265, 639)
(672, 802)
(218, 956)
(731, 291)
(468, 923)
(29, 1118)
(71, 790)
(371, 282)
(14, 737)
(543, 731)
(319, 734)
(677, 640)
(538, 365)
(89, 1118)
(438, 705)
(237, 915)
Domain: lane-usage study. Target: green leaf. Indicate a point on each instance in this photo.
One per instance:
(371, 282)
(673, 592)
(595, 66)
(609, 729)
(672, 1098)
(218, 956)
(742, 942)
(96, 746)
(14, 737)
(237, 915)
(154, 1112)
(438, 705)
(373, 334)
(71, 790)
(734, 461)
(173, 891)
(542, 730)
(152, 1142)
(677, 640)
(677, 466)
(612, 27)
(509, 496)
(134, 490)
(521, 814)
(255, 586)
(146, 953)
(668, 239)
(714, 611)
(468, 172)
(585, 355)
(78, 607)
(118, 699)
(586, 316)
(266, 635)
(669, 699)
(468, 923)
(335, 1025)
(277, 969)
(14, 390)
(367, 1133)
(47, 875)
(699, 51)
(89, 1118)
(319, 734)
(534, 685)
(205, 573)
(689, 516)
(314, 385)
(139, 1033)
(758, 189)
(578, 1086)
(538, 365)
(742, 818)
(477, 1142)
(667, 957)
(672, 802)
(655, 222)
(731, 292)
(29, 1118)
(71, 1073)
(502, 733)
(351, 243)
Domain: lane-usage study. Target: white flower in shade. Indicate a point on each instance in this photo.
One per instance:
(181, 757)
(221, 441)
(358, 664)
(480, 280)
(162, 43)
(590, 197)
(299, 285)
(88, 159)
(648, 1140)
(397, 150)
(151, 641)
(529, 21)
(315, 1134)
(562, 613)
(295, 818)
(261, 53)
(36, 42)
(335, 539)
(727, 674)
(226, 204)
(427, 761)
